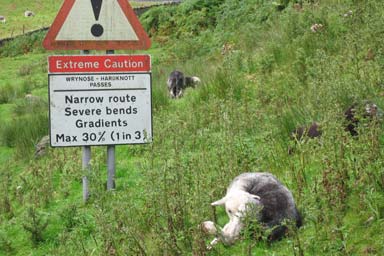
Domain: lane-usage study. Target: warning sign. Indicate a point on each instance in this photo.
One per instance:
(99, 105)
(96, 25)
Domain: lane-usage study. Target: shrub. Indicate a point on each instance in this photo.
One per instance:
(187, 19)
(25, 70)
(35, 224)
(6, 93)
(69, 217)
(5, 243)
(29, 124)
(23, 45)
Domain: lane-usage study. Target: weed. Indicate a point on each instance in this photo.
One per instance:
(69, 217)
(35, 224)
(6, 93)
(25, 70)
(28, 126)
(5, 243)
(5, 200)
(23, 45)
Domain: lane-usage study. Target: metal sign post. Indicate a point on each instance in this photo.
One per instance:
(86, 159)
(86, 168)
(111, 160)
(111, 167)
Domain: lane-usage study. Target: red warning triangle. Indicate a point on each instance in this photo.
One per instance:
(96, 25)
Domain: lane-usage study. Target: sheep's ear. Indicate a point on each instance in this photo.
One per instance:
(196, 80)
(219, 202)
(255, 197)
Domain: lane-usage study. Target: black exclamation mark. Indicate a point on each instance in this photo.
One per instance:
(97, 30)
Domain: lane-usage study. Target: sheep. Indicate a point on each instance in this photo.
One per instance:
(29, 13)
(348, 14)
(177, 82)
(42, 146)
(2, 19)
(302, 133)
(311, 131)
(298, 7)
(32, 98)
(227, 48)
(257, 196)
(358, 112)
(317, 27)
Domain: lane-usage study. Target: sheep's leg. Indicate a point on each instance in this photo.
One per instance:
(213, 243)
(231, 231)
(227, 235)
(209, 228)
(179, 94)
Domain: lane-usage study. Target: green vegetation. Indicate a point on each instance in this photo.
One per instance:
(45, 11)
(264, 72)
(17, 24)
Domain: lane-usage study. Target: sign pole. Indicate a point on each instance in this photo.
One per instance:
(111, 162)
(86, 159)
(111, 167)
(86, 168)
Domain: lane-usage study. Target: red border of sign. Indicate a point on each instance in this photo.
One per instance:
(53, 68)
(50, 42)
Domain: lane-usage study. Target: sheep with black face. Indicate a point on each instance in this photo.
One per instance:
(177, 83)
(258, 195)
(306, 131)
(358, 112)
(303, 133)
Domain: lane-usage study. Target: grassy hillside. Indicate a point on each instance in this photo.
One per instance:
(16, 23)
(45, 11)
(264, 72)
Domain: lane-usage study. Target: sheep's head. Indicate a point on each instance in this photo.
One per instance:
(175, 87)
(238, 205)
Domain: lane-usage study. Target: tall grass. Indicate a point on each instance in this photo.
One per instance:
(28, 125)
(23, 45)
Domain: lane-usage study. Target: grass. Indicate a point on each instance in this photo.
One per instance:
(273, 75)
(17, 24)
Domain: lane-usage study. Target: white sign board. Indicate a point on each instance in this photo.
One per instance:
(88, 109)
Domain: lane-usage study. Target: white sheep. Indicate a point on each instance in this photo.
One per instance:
(29, 13)
(258, 196)
(317, 27)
